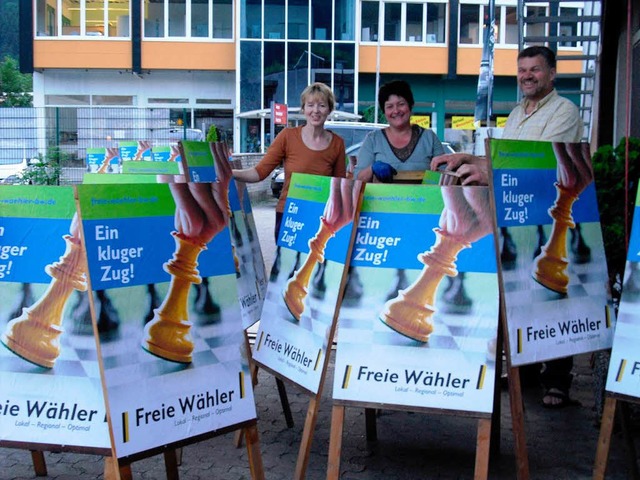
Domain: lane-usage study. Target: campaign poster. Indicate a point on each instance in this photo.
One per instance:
(49, 372)
(103, 160)
(163, 159)
(299, 311)
(624, 365)
(419, 319)
(198, 160)
(250, 269)
(554, 269)
(135, 150)
(172, 348)
(166, 153)
(91, 178)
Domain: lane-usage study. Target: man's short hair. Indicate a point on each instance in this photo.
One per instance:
(544, 52)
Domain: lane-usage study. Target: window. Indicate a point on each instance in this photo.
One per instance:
(535, 29)
(222, 18)
(273, 68)
(343, 76)
(297, 70)
(570, 28)
(287, 44)
(415, 15)
(92, 18)
(405, 22)
(274, 19)
(298, 19)
(470, 24)
(345, 23)
(472, 21)
(436, 22)
(204, 19)
(321, 17)
(251, 18)
(369, 21)
(506, 26)
(177, 18)
(392, 22)
(250, 80)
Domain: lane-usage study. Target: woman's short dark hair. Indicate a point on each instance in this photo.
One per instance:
(395, 87)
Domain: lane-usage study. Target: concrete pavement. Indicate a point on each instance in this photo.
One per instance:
(561, 443)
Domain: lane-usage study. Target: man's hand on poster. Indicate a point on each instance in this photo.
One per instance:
(574, 166)
(342, 202)
(470, 169)
(143, 147)
(466, 214)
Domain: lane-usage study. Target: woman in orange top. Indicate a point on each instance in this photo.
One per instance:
(307, 149)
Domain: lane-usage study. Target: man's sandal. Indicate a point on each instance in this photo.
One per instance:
(565, 400)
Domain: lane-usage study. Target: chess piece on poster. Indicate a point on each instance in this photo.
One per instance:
(410, 313)
(35, 335)
(574, 174)
(202, 211)
(465, 218)
(339, 210)
(296, 289)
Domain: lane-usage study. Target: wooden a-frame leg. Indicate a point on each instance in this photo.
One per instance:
(335, 442)
(483, 448)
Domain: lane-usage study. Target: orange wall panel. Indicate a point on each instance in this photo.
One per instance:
(81, 54)
(504, 61)
(188, 56)
(405, 59)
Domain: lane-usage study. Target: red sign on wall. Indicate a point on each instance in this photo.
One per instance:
(279, 113)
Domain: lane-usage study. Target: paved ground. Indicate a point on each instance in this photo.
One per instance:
(561, 444)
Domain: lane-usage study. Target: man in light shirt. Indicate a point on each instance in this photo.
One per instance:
(542, 115)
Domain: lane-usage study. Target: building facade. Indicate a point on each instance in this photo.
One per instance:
(224, 62)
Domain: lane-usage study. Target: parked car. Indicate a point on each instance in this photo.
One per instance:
(277, 181)
(10, 172)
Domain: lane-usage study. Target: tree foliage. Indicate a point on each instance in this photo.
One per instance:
(15, 87)
(9, 41)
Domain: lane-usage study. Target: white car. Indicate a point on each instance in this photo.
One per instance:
(10, 172)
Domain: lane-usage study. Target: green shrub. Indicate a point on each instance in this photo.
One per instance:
(609, 174)
(212, 134)
(45, 170)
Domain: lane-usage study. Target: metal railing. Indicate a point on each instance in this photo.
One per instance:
(27, 133)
